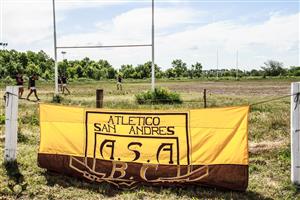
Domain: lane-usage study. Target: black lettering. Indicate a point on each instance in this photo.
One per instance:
(155, 130)
(105, 143)
(171, 130)
(130, 121)
(165, 147)
(124, 121)
(146, 121)
(111, 120)
(97, 127)
(139, 130)
(162, 130)
(137, 153)
(112, 127)
(118, 119)
(140, 119)
(156, 121)
(147, 132)
(105, 128)
(132, 130)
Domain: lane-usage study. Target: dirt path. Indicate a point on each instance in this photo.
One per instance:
(256, 88)
(257, 148)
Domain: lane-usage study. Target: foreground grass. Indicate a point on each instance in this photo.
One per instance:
(268, 135)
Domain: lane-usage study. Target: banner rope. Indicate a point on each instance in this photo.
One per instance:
(296, 99)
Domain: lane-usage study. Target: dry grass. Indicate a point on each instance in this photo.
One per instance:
(269, 142)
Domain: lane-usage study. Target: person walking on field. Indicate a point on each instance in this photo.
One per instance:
(119, 82)
(20, 83)
(64, 84)
(32, 87)
(59, 83)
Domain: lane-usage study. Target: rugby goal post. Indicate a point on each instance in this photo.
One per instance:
(295, 133)
(104, 46)
(11, 123)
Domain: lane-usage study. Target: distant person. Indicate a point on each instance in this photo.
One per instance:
(20, 83)
(32, 87)
(64, 84)
(59, 83)
(119, 82)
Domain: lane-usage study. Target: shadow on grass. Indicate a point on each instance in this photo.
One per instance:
(13, 172)
(108, 190)
(16, 179)
(105, 189)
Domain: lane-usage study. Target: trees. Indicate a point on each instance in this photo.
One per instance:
(196, 70)
(180, 68)
(294, 71)
(13, 62)
(141, 71)
(170, 73)
(255, 72)
(273, 68)
(128, 71)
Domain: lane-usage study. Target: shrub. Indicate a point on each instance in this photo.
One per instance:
(57, 99)
(31, 119)
(2, 119)
(158, 96)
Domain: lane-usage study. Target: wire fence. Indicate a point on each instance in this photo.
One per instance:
(2, 113)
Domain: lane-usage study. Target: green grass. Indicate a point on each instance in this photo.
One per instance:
(268, 136)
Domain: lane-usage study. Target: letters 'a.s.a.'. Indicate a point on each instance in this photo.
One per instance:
(129, 148)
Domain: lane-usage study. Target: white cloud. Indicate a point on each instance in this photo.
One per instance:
(179, 34)
(272, 39)
(28, 22)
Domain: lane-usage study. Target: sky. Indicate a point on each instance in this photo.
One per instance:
(259, 30)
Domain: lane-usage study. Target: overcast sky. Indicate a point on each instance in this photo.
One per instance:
(188, 30)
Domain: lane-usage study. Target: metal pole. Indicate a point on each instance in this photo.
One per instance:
(102, 46)
(237, 64)
(217, 64)
(152, 64)
(204, 98)
(295, 132)
(11, 123)
(55, 50)
(1, 21)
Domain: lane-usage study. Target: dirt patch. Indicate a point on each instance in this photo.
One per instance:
(256, 88)
(256, 148)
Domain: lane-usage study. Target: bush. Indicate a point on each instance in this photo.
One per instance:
(57, 99)
(158, 96)
(2, 119)
(8, 80)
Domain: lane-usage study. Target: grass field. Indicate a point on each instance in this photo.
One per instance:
(268, 136)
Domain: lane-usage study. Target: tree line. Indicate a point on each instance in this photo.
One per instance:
(13, 62)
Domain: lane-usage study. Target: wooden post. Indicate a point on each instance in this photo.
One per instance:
(99, 98)
(295, 134)
(204, 97)
(11, 123)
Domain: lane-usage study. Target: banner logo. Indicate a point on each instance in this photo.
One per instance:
(161, 138)
(152, 139)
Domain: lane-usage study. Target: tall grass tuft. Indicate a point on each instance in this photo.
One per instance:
(158, 96)
(2, 119)
(57, 98)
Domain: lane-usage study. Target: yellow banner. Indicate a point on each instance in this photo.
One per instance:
(193, 137)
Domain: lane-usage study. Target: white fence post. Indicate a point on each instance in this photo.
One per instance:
(295, 134)
(11, 123)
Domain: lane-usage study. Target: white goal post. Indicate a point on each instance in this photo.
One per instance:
(11, 123)
(295, 133)
(106, 46)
